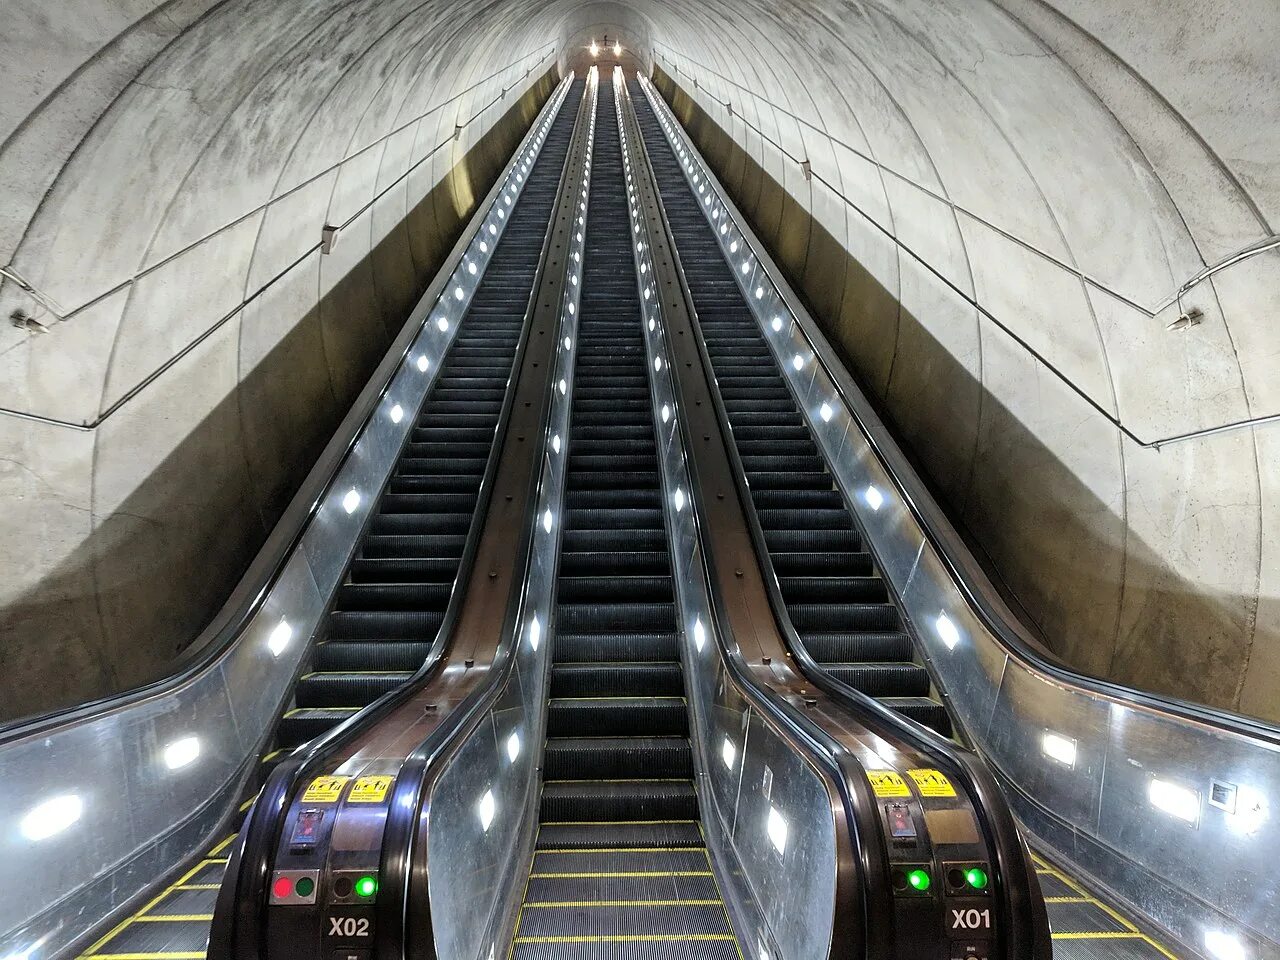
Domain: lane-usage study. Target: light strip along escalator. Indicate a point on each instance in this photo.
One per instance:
(834, 596)
(392, 603)
(620, 868)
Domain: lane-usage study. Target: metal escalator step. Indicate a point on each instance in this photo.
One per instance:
(618, 800)
(609, 922)
(346, 689)
(802, 499)
(571, 589)
(580, 835)
(841, 647)
(806, 519)
(394, 596)
(922, 710)
(614, 564)
(616, 615)
(829, 563)
(684, 858)
(690, 949)
(413, 546)
(463, 502)
(844, 616)
(883, 679)
(617, 717)
(307, 723)
(616, 680)
(808, 541)
(425, 570)
(790, 480)
(618, 646)
(403, 655)
(621, 518)
(443, 483)
(380, 625)
(612, 758)
(639, 877)
(419, 524)
(834, 589)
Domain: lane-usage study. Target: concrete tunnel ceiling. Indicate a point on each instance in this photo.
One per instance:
(1016, 189)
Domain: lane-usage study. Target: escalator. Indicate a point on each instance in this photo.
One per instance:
(402, 575)
(620, 866)
(843, 616)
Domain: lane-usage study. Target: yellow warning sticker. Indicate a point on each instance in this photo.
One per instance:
(886, 783)
(931, 783)
(325, 790)
(370, 789)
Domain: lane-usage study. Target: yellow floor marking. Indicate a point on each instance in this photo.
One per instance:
(574, 904)
(268, 757)
(222, 845)
(175, 918)
(1130, 931)
(198, 886)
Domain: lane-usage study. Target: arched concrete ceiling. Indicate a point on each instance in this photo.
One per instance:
(1025, 182)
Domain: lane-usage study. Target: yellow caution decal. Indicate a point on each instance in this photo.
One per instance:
(370, 789)
(887, 783)
(325, 790)
(931, 783)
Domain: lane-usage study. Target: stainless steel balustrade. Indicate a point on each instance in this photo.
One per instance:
(1164, 803)
(760, 796)
(482, 811)
(101, 801)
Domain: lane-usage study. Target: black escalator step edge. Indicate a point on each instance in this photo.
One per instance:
(790, 480)
(841, 647)
(616, 518)
(394, 596)
(416, 547)
(616, 615)
(825, 617)
(617, 717)
(833, 589)
(800, 499)
(307, 723)
(883, 679)
(922, 710)
(618, 800)
(692, 949)
(400, 655)
(420, 524)
(614, 563)
(613, 540)
(580, 835)
(615, 758)
(585, 589)
(591, 647)
(384, 625)
(461, 502)
(831, 563)
(423, 570)
(346, 689)
(616, 680)
(805, 519)
(467, 483)
(807, 541)
(673, 858)
(610, 922)
(639, 877)
(613, 499)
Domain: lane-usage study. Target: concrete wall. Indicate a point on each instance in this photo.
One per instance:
(166, 174)
(1005, 194)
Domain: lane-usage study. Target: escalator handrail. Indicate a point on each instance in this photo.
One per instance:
(402, 870)
(260, 834)
(872, 937)
(246, 598)
(965, 570)
(1025, 913)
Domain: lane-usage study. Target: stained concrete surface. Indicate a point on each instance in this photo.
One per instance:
(1004, 195)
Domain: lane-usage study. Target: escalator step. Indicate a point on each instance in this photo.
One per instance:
(577, 835)
(577, 617)
(843, 616)
(832, 647)
(394, 596)
(597, 588)
(883, 679)
(616, 680)
(404, 655)
(833, 589)
(612, 758)
(617, 717)
(333, 689)
(603, 801)
(585, 647)
(380, 624)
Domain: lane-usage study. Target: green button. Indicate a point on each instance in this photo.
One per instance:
(304, 887)
(977, 878)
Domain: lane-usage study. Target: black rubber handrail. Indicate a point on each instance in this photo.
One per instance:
(243, 899)
(1025, 927)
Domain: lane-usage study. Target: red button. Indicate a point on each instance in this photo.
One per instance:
(282, 888)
